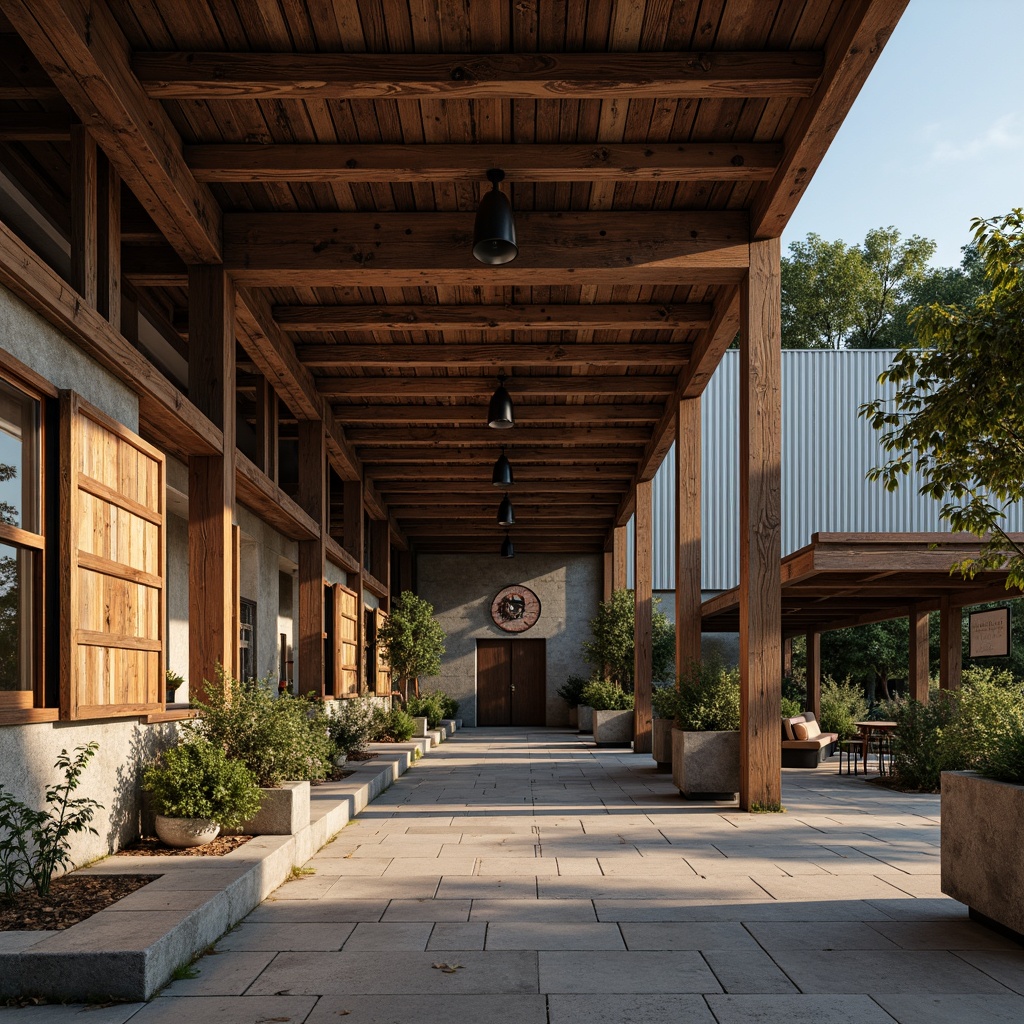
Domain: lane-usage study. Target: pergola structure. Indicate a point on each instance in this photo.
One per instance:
(841, 580)
(299, 185)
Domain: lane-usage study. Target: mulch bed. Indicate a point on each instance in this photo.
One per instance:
(71, 899)
(150, 846)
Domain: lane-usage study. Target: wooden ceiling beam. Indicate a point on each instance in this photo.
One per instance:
(474, 415)
(483, 386)
(400, 355)
(478, 437)
(604, 316)
(553, 76)
(530, 546)
(306, 250)
(16, 126)
(486, 456)
(396, 480)
(82, 48)
(350, 164)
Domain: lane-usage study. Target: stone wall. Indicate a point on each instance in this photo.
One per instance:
(461, 588)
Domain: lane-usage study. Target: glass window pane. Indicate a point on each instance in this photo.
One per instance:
(19, 459)
(17, 618)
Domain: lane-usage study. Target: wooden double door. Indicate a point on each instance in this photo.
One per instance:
(511, 682)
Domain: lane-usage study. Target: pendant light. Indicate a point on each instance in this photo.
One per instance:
(494, 234)
(507, 550)
(506, 516)
(501, 475)
(499, 411)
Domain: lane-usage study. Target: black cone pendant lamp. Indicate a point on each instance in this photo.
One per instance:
(501, 475)
(494, 234)
(499, 411)
(506, 516)
(507, 550)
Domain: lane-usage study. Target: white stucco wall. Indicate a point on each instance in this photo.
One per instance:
(461, 588)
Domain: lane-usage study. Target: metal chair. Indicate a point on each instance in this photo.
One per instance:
(853, 750)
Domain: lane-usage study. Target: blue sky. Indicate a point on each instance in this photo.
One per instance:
(936, 136)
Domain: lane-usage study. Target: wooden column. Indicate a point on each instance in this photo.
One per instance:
(620, 552)
(108, 242)
(688, 534)
(381, 546)
(211, 489)
(84, 214)
(813, 702)
(787, 656)
(313, 499)
(405, 570)
(917, 677)
(643, 568)
(352, 511)
(266, 427)
(760, 528)
(950, 645)
(606, 576)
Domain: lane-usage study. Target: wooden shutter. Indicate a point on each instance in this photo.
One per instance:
(112, 498)
(346, 652)
(383, 679)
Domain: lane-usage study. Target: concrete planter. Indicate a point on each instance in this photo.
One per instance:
(283, 812)
(982, 822)
(185, 832)
(613, 728)
(661, 743)
(585, 718)
(574, 718)
(706, 765)
(421, 726)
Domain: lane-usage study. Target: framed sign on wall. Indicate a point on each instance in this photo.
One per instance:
(989, 633)
(515, 609)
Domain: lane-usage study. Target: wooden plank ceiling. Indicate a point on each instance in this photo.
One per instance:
(333, 156)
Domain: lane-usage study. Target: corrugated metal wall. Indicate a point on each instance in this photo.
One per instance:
(827, 450)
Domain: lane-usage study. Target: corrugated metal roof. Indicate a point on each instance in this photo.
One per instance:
(827, 450)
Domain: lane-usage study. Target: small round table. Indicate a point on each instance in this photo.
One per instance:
(883, 730)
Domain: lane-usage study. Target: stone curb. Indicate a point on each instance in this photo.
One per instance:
(130, 950)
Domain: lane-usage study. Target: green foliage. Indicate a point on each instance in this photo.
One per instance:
(956, 416)
(976, 727)
(394, 726)
(842, 704)
(275, 737)
(709, 698)
(665, 701)
(791, 708)
(604, 695)
(870, 654)
(174, 679)
(351, 726)
(613, 642)
(572, 690)
(412, 638)
(1005, 758)
(434, 706)
(836, 295)
(34, 844)
(196, 779)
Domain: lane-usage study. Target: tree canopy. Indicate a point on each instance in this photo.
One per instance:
(957, 415)
(613, 645)
(412, 638)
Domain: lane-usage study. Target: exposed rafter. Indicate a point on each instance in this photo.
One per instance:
(463, 387)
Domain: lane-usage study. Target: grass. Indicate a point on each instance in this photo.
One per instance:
(300, 872)
(773, 808)
(183, 972)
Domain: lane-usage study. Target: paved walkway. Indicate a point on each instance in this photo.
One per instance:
(522, 877)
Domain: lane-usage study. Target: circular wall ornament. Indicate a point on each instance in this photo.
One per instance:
(515, 609)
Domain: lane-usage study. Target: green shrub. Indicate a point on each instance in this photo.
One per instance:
(394, 726)
(34, 844)
(572, 690)
(604, 695)
(196, 779)
(921, 744)
(351, 726)
(1004, 759)
(842, 704)
(275, 737)
(665, 701)
(709, 698)
(433, 706)
(791, 708)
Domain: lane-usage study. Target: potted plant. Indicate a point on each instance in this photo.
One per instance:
(665, 704)
(706, 738)
(196, 790)
(413, 641)
(174, 682)
(570, 691)
(613, 713)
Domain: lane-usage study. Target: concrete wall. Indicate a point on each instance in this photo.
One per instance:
(461, 588)
(723, 646)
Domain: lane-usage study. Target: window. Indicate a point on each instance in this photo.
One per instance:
(247, 640)
(21, 551)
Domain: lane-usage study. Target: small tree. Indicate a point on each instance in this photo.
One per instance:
(613, 647)
(957, 416)
(413, 641)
